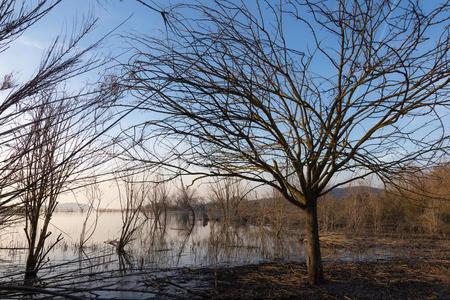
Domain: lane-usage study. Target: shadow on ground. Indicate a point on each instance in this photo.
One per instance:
(391, 279)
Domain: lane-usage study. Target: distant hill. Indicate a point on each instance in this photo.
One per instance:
(338, 193)
(71, 207)
(344, 192)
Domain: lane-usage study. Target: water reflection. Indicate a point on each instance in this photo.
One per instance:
(177, 240)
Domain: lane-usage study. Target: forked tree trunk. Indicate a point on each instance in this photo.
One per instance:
(313, 256)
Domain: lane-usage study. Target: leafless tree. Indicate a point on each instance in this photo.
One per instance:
(426, 197)
(186, 198)
(94, 199)
(63, 61)
(13, 23)
(45, 168)
(156, 202)
(227, 194)
(132, 194)
(53, 144)
(302, 95)
(275, 215)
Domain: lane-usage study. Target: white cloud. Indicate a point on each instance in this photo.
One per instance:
(30, 42)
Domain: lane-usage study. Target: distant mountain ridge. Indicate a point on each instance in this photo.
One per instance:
(340, 193)
(344, 192)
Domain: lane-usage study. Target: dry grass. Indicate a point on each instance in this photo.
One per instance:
(393, 279)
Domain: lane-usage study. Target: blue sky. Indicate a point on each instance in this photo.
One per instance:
(24, 54)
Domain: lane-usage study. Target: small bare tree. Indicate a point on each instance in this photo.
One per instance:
(64, 60)
(228, 194)
(302, 95)
(156, 202)
(94, 199)
(55, 149)
(186, 198)
(13, 23)
(45, 169)
(132, 194)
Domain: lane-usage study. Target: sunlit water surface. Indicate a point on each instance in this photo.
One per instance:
(177, 244)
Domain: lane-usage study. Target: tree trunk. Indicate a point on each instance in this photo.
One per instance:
(313, 256)
(30, 270)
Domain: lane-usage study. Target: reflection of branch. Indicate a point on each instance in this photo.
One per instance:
(125, 261)
(184, 243)
(34, 290)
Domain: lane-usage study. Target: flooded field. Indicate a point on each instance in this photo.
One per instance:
(160, 259)
(180, 243)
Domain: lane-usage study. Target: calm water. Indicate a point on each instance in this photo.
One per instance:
(177, 245)
(157, 256)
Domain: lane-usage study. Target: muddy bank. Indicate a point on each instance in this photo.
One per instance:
(403, 278)
(384, 279)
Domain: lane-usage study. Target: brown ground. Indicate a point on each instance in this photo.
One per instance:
(393, 279)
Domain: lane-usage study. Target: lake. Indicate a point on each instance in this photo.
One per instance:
(162, 251)
(180, 244)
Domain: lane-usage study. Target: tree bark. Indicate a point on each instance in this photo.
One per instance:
(313, 256)
(30, 270)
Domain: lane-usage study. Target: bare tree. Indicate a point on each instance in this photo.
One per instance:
(186, 198)
(426, 197)
(227, 194)
(55, 148)
(303, 96)
(44, 172)
(275, 212)
(94, 199)
(132, 194)
(13, 23)
(64, 60)
(156, 202)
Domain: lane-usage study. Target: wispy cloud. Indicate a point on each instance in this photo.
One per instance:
(31, 42)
